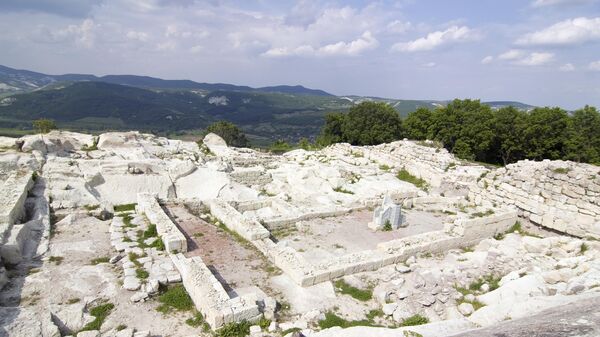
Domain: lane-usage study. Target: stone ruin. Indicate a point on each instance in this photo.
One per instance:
(295, 224)
(388, 214)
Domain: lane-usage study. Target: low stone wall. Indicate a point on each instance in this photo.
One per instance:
(559, 195)
(209, 296)
(249, 229)
(172, 237)
(14, 194)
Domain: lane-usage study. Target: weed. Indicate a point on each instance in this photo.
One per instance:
(359, 294)
(56, 259)
(340, 189)
(100, 312)
(73, 300)
(236, 329)
(561, 170)
(91, 207)
(331, 320)
(99, 260)
(125, 207)
(196, 320)
(387, 226)
(482, 214)
(141, 273)
(404, 175)
(415, 320)
(499, 236)
(584, 248)
(175, 298)
(264, 323)
(121, 327)
(384, 167)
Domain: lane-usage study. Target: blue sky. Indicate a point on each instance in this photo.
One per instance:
(542, 52)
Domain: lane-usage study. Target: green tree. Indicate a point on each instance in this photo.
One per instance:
(508, 125)
(583, 143)
(43, 125)
(546, 134)
(332, 130)
(230, 132)
(371, 123)
(305, 144)
(418, 123)
(280, 146)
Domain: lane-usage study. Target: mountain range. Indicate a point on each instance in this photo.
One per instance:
(119, 102)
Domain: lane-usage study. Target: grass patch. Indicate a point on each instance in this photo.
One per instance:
(100, 312)
(198, 320)
(56, 259)
(384, 167)
(415, 320)
(359, 294)
(150, 232)
(583, 248)
(387, 226)
(125, 207)
(518, 228)
(175, 298)
(73, 300)
(99, 260)
(331, 320)
(91, 207)
(127, 221)
(239, 329)
(404, 175)
(141, 273)
(561, 170)
(288, 331)
(482, 214)
(340, 189)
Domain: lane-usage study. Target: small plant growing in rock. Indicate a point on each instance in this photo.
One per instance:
(99, 260)
(56, 259)
(359, 294)
(562, 170)
(404, 175)
(340, 189)
(415, 320)
(387, 226)
(100, 313)
(236, 329)
(125, 207)
(584, 248)
(175, 298)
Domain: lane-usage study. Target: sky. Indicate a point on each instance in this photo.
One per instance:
(541, 52)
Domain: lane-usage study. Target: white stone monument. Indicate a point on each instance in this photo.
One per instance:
(388, 211)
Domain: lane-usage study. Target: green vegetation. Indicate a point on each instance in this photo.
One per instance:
(125, 207)
(175, 298)
(91, 207)
(415, 320)
(93, 147)
(562, 170)
(43, 125)
(56, 259)
(384, 167)
(239, 329)
(230, 133)
(280, 146)
(367, 123)
(340, 189)
(359, 294)
(198, 320)
(472, 130)
(404, 175)
(482, 214)
(99, 260)
(387, 226)
(583, 248)
(100, 313)
(141, 273)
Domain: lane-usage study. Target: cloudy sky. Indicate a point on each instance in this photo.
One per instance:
(543, 52)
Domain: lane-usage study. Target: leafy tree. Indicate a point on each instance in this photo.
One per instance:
(371, 123)
(280, 146)
(332, 130)
(417, 124)
(546, 133)
(305, 144)
(43, 125)
(508, 124)
(230, 132)
(583, 144)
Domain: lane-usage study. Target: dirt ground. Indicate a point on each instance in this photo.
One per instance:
(320, 239)
(69, 279)
(235, 264)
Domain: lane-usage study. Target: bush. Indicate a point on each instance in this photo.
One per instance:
(387, 226)
(230, 133)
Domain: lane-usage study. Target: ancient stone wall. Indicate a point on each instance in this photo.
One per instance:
(248, 229)
(559, 195)
(172, 237)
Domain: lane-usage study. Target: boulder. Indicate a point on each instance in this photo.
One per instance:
(466, 309)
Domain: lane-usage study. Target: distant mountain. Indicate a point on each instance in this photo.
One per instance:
(126, 102)
(502, 104)
(17, 81)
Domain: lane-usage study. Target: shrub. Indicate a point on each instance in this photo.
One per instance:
(387, 226)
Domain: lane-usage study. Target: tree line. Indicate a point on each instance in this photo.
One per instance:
(474, 131)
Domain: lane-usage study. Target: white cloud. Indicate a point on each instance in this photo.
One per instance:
(398, 27)
(546, 3)
(567, 32)
(595, 66)
(567, 67)
(535, 59)
(487, 60)
(512, 54)
(429, 64)
(365, 42)
(139, 36)
(454, 34)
